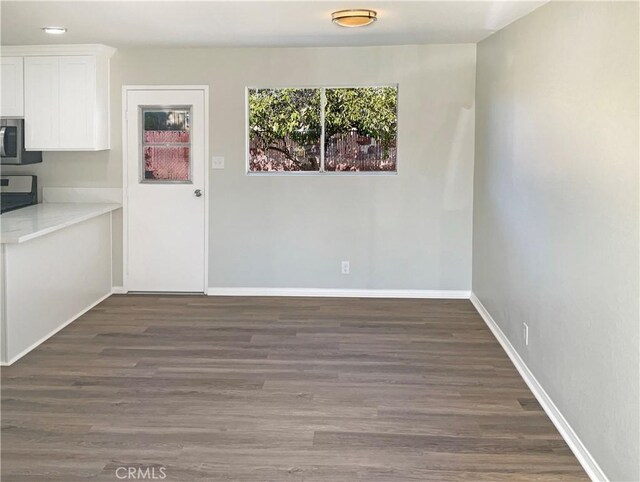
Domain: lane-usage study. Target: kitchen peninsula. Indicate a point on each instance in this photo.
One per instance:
(56, 265)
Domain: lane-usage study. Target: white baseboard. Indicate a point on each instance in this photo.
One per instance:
(118, 290)
(339, 293)
(53, 332)
(587, 461)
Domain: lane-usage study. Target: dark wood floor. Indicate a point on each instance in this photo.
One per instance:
(276, 389)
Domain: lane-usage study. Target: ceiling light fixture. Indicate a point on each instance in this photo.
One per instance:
(54, 30)
(354, 18)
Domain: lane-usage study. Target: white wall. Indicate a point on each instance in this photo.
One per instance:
(555, 240)
(409, 231)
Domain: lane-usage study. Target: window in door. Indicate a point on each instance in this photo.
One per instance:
(166, 145)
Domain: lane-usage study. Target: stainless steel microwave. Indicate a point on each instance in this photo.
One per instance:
(12, 144)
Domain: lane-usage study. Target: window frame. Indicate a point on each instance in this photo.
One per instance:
(322, 171)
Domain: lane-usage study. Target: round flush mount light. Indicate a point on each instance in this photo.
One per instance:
(354, 18)
(54, 30)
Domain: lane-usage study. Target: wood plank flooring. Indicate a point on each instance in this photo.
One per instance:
(276, 389)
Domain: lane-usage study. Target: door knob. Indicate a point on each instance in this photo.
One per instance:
(198, 192)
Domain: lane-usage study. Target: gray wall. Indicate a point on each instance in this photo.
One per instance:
(409, 231)
(555, 241)
(556, 192)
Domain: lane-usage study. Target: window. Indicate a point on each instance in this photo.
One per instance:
(346, 129)
(166, 145)
(284, 130)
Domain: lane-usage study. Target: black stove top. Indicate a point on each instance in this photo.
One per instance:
(17, 192)
(13, 204)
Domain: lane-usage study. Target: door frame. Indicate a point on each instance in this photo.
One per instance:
(125, 179)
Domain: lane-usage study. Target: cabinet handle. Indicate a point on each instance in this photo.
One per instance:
(3, 131)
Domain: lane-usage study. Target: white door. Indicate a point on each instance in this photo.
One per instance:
(166, 191)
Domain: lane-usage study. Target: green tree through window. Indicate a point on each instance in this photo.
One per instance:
(360, 129)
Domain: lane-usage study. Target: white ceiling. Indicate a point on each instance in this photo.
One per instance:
(252, 23)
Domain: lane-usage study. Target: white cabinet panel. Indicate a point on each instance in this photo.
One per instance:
(11, 83)
(51, 280)
(42, 102)
(77, 101)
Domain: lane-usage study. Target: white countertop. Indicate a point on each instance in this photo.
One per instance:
(34, 221)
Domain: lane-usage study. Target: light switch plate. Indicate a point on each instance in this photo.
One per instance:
(217, 162)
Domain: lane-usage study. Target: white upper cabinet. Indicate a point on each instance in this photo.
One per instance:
(11, 85)
(66, 97)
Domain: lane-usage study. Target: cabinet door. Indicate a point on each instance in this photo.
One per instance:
(41, 103)
(77, 101)
(11, 83)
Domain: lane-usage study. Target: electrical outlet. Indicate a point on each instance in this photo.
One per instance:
(525, 333)
(345, 267)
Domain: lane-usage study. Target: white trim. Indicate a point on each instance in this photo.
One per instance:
(125, 193)
(118, 290)
(320, 173)
(207, 184)
(164, 87)
(125, 179)
(111, 250)
(339, 293)
(578, 448)
(347, 85)
(54, 331)
(70, 49)
(323, 126)
(4, 346)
